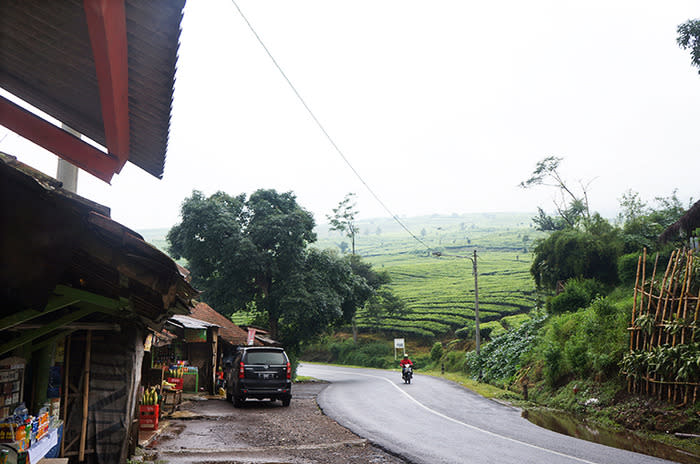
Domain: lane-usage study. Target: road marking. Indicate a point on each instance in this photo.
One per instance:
(473, 427)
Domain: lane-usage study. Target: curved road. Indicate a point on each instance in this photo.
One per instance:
(434, 421)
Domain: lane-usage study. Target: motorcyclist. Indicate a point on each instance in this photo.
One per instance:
(406, 364)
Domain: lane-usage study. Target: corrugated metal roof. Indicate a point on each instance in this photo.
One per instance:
(46, 59)
(50, 237)
(191, 323)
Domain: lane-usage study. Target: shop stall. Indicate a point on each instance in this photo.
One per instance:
(76, 312)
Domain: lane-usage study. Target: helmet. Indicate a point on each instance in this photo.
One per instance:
(405, 356)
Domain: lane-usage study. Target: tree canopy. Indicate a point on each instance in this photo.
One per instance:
(571, 207)
(253, 253)
(584, 244)
(689, 38)
(343, 218)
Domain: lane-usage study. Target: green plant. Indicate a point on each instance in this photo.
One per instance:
(577, 294)
(436, 352)
(501, 359)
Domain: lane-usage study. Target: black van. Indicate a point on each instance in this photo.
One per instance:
(260, 372)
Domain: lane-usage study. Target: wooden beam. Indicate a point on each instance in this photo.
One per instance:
(86, 302)
(55, 303)
(56, 140)
(106, 21)
(52, 339)
(101, 326)
(48, 328)
(103, 303)
(86, 397)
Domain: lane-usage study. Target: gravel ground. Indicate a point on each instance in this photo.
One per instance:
(213, 431)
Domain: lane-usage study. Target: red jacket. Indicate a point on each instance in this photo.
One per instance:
(405, 362)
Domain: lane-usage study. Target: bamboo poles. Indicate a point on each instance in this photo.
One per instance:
(86, 395)
(661, 329)
(66, 382)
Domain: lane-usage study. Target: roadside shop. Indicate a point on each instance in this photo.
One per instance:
(80, 292)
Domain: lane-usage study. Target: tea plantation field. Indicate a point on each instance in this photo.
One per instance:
(439, 292)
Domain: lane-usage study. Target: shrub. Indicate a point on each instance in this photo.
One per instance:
(466, 332)
(554, 364)
(570, 253)
(577, 294)
(568, 300)
(502, 358)
(436, 352)
(485, 332)
(373, 354)
(627, 268)
(454, 361)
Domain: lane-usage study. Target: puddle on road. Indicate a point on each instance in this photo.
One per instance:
(570, 425)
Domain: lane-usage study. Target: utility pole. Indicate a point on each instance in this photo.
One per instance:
(476, 312)
(477, 335)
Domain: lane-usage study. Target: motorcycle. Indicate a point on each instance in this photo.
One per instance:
(407, 373)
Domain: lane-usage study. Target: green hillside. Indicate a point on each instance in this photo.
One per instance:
(439, 292)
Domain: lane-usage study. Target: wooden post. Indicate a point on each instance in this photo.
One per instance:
(634, 304)
(662, 290)
(687, 298)
(66, 387)
(695, 319)
(672, 293)
(86, 394)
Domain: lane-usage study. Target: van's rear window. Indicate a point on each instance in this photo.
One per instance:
(265, 357)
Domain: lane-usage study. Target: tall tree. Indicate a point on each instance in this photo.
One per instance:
(571, 207)
(313, 296)
(243, 250)
(689, 38)
(343, 218)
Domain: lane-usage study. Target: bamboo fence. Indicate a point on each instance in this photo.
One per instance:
(664, 315)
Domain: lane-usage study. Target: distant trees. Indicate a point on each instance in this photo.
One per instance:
(343, 218)
(571, 207)
(642, 225)
(583, 244)
(689, 38)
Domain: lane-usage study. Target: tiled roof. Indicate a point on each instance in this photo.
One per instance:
(228, 330)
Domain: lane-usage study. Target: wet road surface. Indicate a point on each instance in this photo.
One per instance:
(434, 421)
(213, 431)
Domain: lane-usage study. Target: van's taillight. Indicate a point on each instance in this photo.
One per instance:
(241, 371)
(289, 371)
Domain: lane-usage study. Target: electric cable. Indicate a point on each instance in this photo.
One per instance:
(325, 133)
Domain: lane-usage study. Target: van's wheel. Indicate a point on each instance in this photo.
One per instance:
(286, 401)
(237, 402)
(229, 396)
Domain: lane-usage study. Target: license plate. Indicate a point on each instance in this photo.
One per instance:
(266, 375)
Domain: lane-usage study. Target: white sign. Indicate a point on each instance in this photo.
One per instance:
(398, 343)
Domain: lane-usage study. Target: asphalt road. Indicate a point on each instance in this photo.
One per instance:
(434, 421)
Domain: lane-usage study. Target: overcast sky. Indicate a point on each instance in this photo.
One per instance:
(441, 106)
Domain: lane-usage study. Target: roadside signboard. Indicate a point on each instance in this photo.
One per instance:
(399, 344)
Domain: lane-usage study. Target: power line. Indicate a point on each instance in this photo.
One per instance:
(327, 135)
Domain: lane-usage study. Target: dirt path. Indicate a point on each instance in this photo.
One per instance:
(213, 431)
